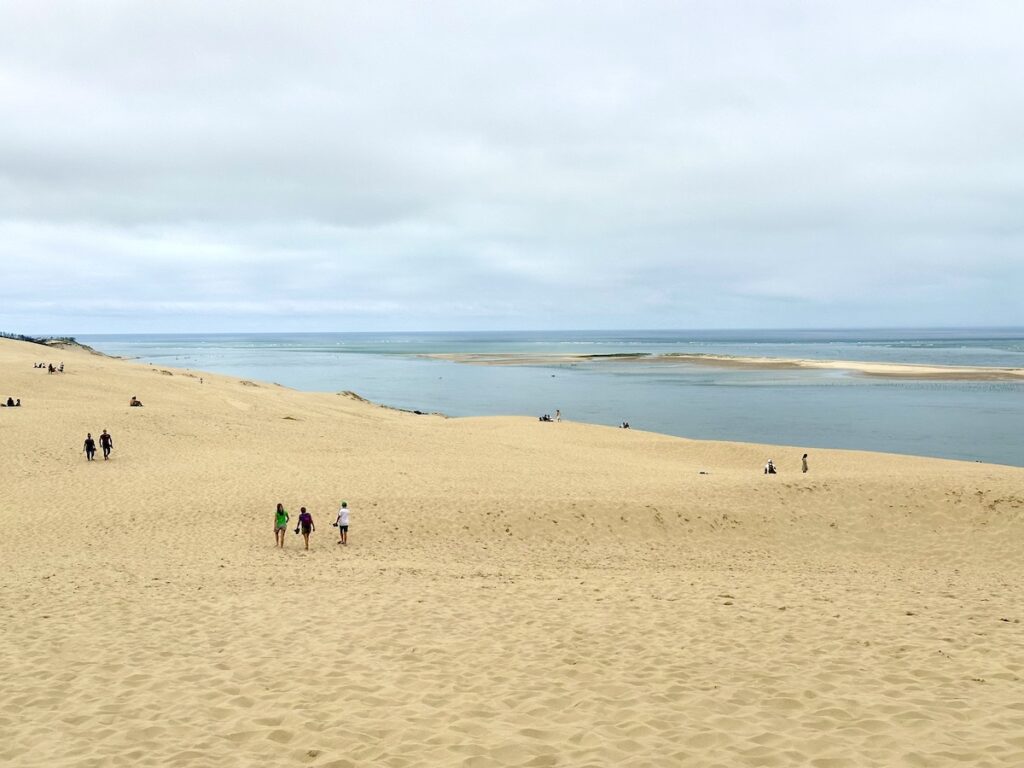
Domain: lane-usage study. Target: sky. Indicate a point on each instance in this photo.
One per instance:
(333, 166)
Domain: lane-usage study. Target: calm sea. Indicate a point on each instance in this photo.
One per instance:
(981, 421)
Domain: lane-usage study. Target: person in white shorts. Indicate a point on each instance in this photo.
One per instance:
(342, 523)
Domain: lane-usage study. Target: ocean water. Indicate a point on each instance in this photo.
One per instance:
(976, 421)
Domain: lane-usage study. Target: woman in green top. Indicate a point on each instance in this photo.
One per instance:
(280, 525)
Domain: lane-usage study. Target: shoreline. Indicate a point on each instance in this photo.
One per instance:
(863, 368)
(174, 371)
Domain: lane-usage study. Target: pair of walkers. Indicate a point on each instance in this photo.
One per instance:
(306, 525)
(106, 443)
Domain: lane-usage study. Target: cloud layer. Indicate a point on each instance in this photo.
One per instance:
(336, 166)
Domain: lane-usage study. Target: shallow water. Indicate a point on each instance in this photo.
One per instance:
(807, 408)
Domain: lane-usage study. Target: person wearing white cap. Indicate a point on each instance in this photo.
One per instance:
(342, 523)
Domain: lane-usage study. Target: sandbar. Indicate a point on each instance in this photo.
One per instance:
(876, 369)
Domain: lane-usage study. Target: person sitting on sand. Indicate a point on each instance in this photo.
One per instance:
(50, 369)
(280, 524)
(10, 402)
(135, 402)
(769, 468)
(306, 525)
(624, 425)
(18, 404)
(342, 523)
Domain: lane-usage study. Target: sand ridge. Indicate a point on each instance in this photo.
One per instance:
(514, 593)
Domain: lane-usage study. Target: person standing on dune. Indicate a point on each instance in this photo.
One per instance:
(803, 463)
(107, 444)
(89, 447)
(280, 524)
(306, 525)
(342, 523)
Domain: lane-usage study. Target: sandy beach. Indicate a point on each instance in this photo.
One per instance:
(876, 369)
(514, 593)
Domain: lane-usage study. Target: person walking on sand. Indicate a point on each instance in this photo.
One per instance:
(803, 463)
(342, 523)
(558, 414)
(89, 447)
(306, 525)
(107, 444)
(280, 524)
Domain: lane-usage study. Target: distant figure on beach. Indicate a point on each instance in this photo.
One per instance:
(135, 402)
(342, 523)
(89, 447)
(803, 463)
(107, 444)
(280, 524)
(61, 368)
(18, 404)
(624, 425)
(769, 468)
(10, 402)
(50, 368)
(558, 415)
(306, 525)
(545, 417)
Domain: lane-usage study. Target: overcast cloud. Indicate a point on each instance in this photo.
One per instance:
(198, 166)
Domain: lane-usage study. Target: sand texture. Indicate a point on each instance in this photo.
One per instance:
(514, 593)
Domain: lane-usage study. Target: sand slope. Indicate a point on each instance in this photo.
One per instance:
(514, 593)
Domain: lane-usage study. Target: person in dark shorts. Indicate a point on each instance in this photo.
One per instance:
(89, 447)
(280, 524)
(306, 525)
(342, 523)
(107, 444)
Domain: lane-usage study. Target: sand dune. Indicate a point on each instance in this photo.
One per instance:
(514, 593)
